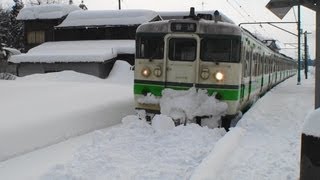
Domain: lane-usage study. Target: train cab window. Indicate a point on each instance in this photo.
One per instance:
(150, 47)
(221, 50)
(181, 49)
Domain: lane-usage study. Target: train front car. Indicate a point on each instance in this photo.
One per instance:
(180, 54)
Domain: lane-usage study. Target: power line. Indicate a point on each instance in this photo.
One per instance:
(235, 9)
(244, 10)
(239, 12)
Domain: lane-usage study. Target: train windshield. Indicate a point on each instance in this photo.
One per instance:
(150, 47)
(182, 49)
(220, 49)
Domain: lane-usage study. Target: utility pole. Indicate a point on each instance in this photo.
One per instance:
(299, 46)
(317, 61)
(119, 4)
(306, 54)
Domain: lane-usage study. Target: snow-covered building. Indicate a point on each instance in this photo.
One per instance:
(95, 57)
(103, 24)
(83, 41)
(39, 22)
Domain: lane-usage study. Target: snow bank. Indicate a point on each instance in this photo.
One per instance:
(270, 148)
(210, 166)
(37, 114)
(43, 109)
(108, 18)
(121, 72)
(311, 126)
(135, 150)
(76, 51)
(46, 11)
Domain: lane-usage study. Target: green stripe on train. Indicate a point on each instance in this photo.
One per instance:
(226, 94)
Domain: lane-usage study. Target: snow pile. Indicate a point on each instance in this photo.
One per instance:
(135, 150)
(190, 104)
(12, 51)
(76, 51)
(47, 111)
(38, 114)
(162, 123)
(149, 99)
(108, 18)
(312, 124)
(46, 11)
(121, 73)
(211, 166)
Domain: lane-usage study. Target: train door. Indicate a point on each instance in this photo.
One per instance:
(250, 73)
(181, 61)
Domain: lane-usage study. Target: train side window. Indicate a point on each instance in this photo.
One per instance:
(181, 49)
(247, 55)
(219, 49)
(150, 47)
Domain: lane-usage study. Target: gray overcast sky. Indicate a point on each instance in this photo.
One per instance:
(237, 10)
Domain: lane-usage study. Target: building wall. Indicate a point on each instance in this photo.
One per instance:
(98, 69)
(95, 33)
(40, 25)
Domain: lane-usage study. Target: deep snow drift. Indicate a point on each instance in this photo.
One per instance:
(38, 113)
(265, 144)
(135, 150)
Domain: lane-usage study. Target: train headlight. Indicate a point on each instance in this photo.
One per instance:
(205, 73)
(157, 71)
(146, 72)
(219, 76)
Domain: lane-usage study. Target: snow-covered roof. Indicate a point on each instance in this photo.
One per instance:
(108, 17)
(47, 11)
(76, 51)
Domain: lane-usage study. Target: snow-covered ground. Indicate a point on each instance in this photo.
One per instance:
(265, 144)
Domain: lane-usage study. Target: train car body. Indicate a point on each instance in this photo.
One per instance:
(205, 53)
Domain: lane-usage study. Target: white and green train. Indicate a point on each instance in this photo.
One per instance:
(208, 53)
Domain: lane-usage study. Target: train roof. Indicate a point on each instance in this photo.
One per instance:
(207, 27)
(167, 15)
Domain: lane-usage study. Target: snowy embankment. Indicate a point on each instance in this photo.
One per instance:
(36, 114)
(270, 146)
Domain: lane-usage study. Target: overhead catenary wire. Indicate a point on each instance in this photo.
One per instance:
(239, 12)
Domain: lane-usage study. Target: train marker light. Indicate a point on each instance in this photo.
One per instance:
(157, 71)
(219, 76)
(205, 73)
(146, 72)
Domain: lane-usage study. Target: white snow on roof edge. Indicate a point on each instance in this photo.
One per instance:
(108, 17)
(312, 124)
(76, 51)
(46, 11)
